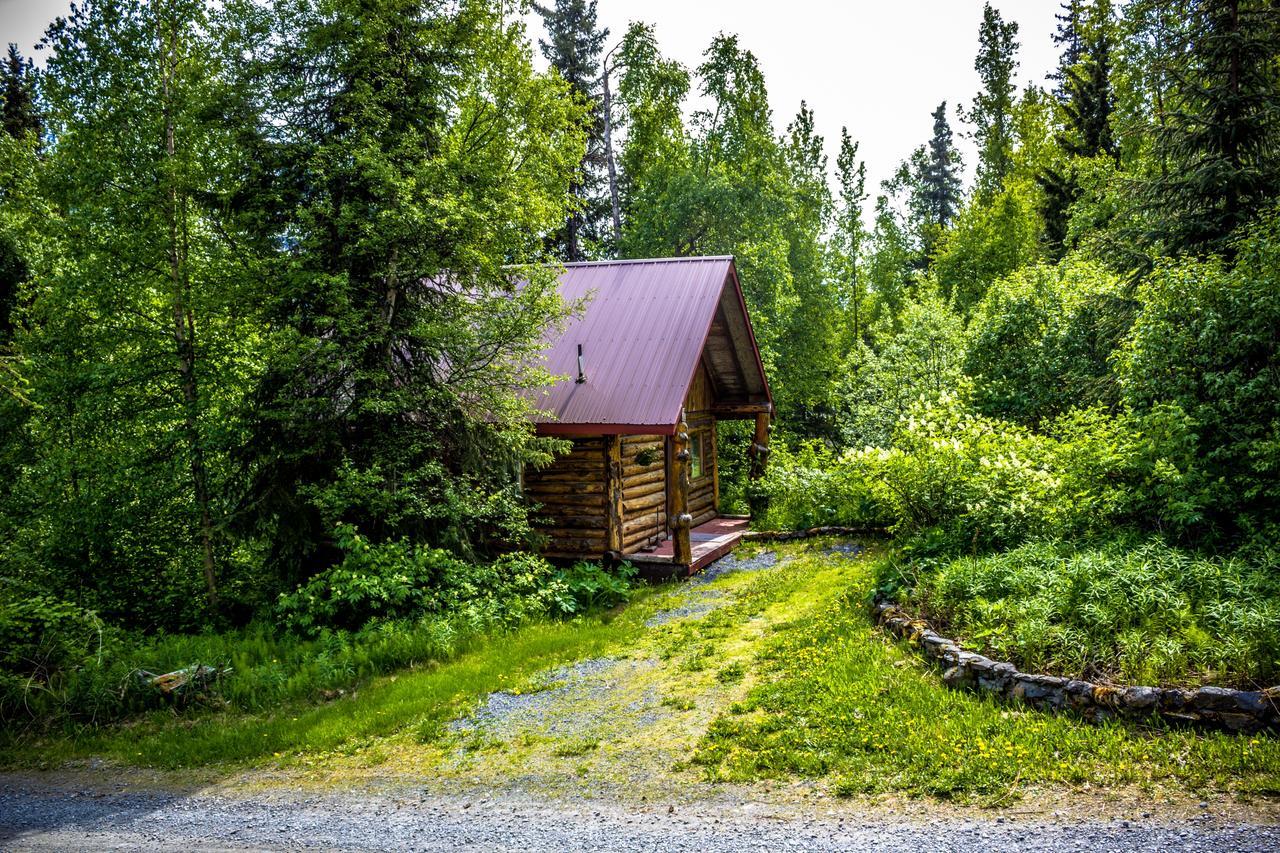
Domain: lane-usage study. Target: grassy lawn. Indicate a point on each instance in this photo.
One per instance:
(773, 673)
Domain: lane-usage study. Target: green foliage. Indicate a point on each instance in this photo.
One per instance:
(1040, 341)
(395, 580)
(993, 106)
(812, 486)
(590, 586)
(1148, 614)
(831, 699)
(1206, 340)
(989, 241)
(919, 356)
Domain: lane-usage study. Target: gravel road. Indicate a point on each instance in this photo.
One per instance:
(82, 820)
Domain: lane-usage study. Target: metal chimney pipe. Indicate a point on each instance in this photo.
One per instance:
(582, 376)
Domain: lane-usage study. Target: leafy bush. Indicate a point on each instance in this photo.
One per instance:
(1040, 341)
(919, 358)
(812, 486)
(54, 655)
(1208, 340)
(589, 586)
(396, 580)
(1144, 613)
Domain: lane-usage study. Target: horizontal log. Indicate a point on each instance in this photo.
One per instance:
(632, 491)
(579, 544)
(636, 442)
(647, 503)
(704, 517)
(581, 522)
(734, 410)
(636, 469)
(652, 521)
(562, 503)
(561, 477)
(657, 475)
(641, 540)
(582, 488)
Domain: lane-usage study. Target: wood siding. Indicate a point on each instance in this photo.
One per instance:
(571, 491)
(644, 491)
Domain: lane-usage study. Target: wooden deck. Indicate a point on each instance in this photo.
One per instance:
(709, 542)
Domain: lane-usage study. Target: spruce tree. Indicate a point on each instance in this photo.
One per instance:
(992, 110)
(1221, 138)
(1088, 103)
(19, 116)
(1068, 38)
(574, 50)
(940, 181)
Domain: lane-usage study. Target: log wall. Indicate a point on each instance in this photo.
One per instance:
(644, 491)
(571, 491)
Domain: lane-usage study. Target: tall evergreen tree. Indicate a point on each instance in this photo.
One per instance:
(1088, 103)
(1070, 41)
(1221, 138)
(416, 158)
(19, 115)
(18, 118)
(992, 109)
(940, 181)
(574, 50)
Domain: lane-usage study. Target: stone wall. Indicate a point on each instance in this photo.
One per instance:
(1245, 711)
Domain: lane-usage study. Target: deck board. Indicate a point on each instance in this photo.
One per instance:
(709, 542)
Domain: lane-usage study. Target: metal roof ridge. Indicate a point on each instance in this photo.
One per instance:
(622, 261)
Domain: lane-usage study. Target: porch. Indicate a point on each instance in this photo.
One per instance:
(708, 542)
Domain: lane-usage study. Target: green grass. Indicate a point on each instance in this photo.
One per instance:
(786, 677)
(835, 698)
(418, 700)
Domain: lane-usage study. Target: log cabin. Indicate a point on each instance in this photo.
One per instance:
(662, 350)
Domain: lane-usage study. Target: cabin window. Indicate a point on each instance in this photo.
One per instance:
(697, 454)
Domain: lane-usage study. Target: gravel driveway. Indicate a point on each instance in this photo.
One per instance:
(81, 820)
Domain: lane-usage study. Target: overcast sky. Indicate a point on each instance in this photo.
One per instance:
(878, 66)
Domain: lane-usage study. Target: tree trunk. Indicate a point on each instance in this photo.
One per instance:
(183, 319)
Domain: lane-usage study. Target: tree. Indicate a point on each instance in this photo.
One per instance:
(418, 157)
(993, 106)
(574, 50)
(850, 237)
(940, 181)
(20, 115)
(140, 334)
(1088, 102)
(651, 94)
(1221, 137)
(1068, 38)
(20, 118)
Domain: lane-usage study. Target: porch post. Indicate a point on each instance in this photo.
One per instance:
(678, 490)
(758, 502)
(613, 496)
(760, 446)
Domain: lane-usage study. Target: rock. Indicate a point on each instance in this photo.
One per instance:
(1213, 699)
(1140, 698)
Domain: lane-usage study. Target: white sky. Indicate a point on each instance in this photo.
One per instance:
(878, 66)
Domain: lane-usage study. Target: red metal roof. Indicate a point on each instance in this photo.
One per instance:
(642, 333)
